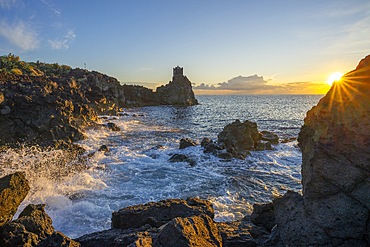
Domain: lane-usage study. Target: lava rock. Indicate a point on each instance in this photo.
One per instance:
(197, 231)
(113, 126)
(58, 239)
(270, 137)
(159, 213)
(186, 142)
(13, 189)
(182, 158)
(263, 215)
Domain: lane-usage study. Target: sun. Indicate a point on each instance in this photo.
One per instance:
(336, 76)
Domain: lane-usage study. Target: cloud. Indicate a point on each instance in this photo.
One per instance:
(252, 83)
(51, 6)
(63, 43)
(20, 34)
(7, 4)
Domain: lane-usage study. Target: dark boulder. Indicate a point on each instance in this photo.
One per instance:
(103, 148)
(159, 213)
(263, 215)
(13, 189)
(270, 137)
(186, 142)
(58, 239)
(142, 236)
(240, 137)
(182, 158)
(113, 127)
(236, 234)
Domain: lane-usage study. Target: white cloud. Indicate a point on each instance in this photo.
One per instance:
(7, 4)
(240, 83)
(63, 43)
(20, 34)
(51, 7)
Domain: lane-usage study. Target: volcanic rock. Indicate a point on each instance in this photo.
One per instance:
(182, 158)
(335, 144)
(186, 142)
(113, 127)
(270, 137)
(240, 137)
(159, 213)
(176, 92)
(13, 189)
(263, 215)
(32, 226)
(196, 231)
(58, 239)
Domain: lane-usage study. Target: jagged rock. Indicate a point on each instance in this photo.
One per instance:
(32, 226)
(240, 137)
(120, 237)
(182, 158)
(295, 227)
(159, 213)
(186, 142)
(178, 91)
(335, 144)
(13, 189)
(195, 231)
(58, 239)
(41, 110)
(269, 136)
(103, 148)
(263, 215)
(263, 145)
(236, 234)
(113, 127)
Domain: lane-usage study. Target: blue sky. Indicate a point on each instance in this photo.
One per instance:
(292, 44)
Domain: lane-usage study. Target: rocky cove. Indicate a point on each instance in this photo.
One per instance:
(333, 210)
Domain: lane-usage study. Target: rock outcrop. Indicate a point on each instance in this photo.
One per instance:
(239, 138)
(13, 189)
(178, 91)
(39, 110)
(335, 144)
(55, 106)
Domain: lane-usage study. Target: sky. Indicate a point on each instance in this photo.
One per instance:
(233, 47)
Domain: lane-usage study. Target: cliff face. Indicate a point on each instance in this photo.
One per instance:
(176, 92)
(335, 144)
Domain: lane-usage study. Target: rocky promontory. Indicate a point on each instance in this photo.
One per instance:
(51, 104)
(335, 142)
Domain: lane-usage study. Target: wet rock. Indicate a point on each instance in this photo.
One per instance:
(113, 126)
(263, 145)
(58, 239)
(159, 213)
(32, 226)
(191, 231)
(103, 148)
(270, 137)
(224, 155)
(186, 142)
(6, 110)
(13, 189)
(182, 158)
(205, 142)
(240, 137)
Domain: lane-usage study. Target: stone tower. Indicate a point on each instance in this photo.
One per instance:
(178, 71)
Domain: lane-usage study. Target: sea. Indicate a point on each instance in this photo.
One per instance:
(80, 195)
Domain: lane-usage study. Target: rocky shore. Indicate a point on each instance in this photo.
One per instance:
(52, 108)
(333, 209)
